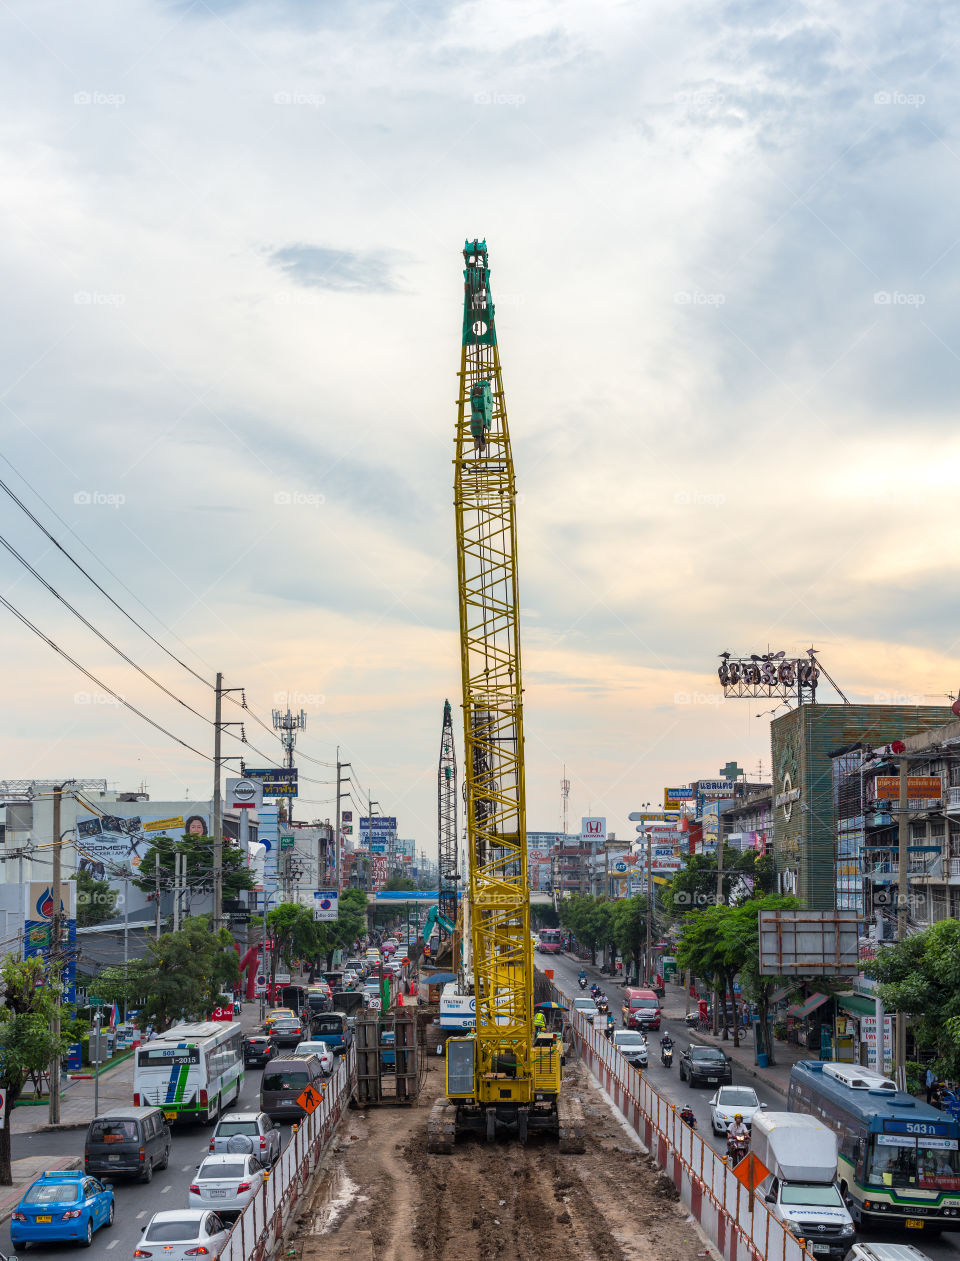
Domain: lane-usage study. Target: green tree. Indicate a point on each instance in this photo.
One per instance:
(96, 900)
(542, 915)
(921, 976)
(180, 977)
(630, 930)
(26, 1043)
(703, 949)
(589, 919)
(756, 985)
(295, 935)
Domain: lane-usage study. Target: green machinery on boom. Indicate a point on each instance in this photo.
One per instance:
(506, 1075)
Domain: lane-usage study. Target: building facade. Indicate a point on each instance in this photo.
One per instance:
(806, 844)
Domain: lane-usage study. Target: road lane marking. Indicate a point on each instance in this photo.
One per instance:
(186, 1168)
(112, 1245)
(142, 1213)
(164, 1190)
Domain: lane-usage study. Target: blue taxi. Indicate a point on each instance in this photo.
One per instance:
(67, 1206)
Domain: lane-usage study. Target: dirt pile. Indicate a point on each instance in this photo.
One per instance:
(384, 1198)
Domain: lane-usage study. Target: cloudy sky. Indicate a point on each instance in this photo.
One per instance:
(725, 257)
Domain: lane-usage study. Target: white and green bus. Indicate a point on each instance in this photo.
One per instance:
(899, 1163)
(192, 1071)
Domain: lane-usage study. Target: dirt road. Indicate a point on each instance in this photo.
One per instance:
(383, 1198)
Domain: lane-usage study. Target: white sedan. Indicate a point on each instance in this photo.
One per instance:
(176, 1234)
(321, 1051)
(226, 1183)
(728, 1101)
(586, 1005)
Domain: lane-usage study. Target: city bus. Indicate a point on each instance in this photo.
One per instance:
(550, 941)
(898, 1159)
(192, 1071)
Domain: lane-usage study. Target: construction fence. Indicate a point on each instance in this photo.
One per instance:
(738, 1222)
(259, 1229)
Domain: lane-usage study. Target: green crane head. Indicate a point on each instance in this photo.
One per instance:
(478, 325)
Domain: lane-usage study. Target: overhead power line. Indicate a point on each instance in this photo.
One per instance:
(99, 682)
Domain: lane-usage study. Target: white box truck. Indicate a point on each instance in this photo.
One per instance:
(801, 1189)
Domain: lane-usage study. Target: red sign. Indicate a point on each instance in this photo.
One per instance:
(919, 787)
(222, 1013)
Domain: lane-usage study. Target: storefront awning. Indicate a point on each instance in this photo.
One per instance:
(802, 1010)
(857, 1004)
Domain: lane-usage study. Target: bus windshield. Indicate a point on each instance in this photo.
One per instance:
(896, 1160)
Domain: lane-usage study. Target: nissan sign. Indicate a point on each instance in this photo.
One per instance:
(244, 794)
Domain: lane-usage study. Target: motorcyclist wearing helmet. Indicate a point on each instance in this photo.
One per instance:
(737, 1132)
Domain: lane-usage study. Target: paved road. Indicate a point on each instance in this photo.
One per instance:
(135, 1202)
(946, 1247)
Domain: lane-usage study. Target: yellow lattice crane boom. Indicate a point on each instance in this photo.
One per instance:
(506, 1075)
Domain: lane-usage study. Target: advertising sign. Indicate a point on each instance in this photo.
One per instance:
(868, 1033)
(326, 905)
(243, 794)
(346, 816)
(277, 781)
(919, 787)
(593, 830)
(113, 845)
(38, 927)
(674, 798)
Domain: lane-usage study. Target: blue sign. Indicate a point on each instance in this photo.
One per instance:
(621, 866)
(918, 1127)
(74, 1058)
(378, 847)
(277, 781)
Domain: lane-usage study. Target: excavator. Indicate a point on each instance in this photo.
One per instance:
(508, 1076)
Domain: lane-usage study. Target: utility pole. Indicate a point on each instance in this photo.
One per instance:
(903, 838)
(339, 856)
(716, 997)
(217, 812)
(156, 888)
(56, 958)
(218, 760)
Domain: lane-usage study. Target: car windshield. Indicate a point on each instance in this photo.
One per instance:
(637, 1003)
(172, 1231)
(226, 1128)
(707, 1053)
(814, 1193)
(898, 1161)
(258, 1041)
(630, 1039)
(284, 1081)
(311, 1048)
(738, 1097)
(113, 1132)
(52, 1193)
(211, 1170)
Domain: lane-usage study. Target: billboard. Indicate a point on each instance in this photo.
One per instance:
(114, 845)
(38, 927)
(919, 787)
(593, 830)
(674, 798)
(277, 781)
(809, 943)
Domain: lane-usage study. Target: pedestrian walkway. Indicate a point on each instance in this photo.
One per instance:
(25, 1171)
(115, 1091)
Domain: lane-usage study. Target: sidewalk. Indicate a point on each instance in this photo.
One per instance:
(674, 1007)
(25, 1171)
(116, 1091)
(776, 1077)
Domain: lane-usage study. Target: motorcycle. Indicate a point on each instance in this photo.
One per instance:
(687, 1116)
(666, 1056)
(692, 1018)
(582, 982)
(736, 1150)
(602, 1005)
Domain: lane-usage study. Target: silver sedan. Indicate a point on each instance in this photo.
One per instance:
(177, 1234)
(226, 1183)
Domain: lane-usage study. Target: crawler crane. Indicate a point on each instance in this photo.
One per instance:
(508, 1076)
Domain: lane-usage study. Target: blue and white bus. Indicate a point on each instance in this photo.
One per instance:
(192, 1071)
(898, 1160)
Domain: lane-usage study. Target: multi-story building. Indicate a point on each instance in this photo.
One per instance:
(748, 822)
(868, 816)
(811, 861)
